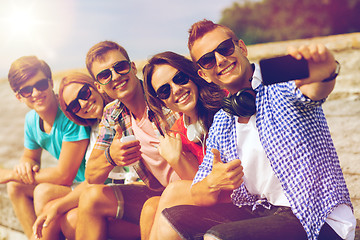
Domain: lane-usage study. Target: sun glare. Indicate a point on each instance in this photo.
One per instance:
(22, 23)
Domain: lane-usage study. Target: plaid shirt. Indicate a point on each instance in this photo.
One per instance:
(115, 113)
(296, 139)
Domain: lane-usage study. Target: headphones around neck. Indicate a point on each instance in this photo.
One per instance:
(241, 104)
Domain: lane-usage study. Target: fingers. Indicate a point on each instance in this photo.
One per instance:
(25, 172)
(38, 226)
(314, 52)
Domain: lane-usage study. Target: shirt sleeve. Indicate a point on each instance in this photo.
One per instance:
(29, 134)
(74, 132)
(106, 131)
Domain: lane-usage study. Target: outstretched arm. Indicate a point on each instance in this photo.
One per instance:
(321, 65)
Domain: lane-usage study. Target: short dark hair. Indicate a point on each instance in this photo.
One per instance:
(24, 68)
(99, 50)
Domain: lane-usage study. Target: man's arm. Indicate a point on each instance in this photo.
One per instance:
(25, 170)
(71, 157)
(321, 65)
(119, 154)
(218, 185)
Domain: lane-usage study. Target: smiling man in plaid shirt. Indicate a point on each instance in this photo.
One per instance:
(272, 173)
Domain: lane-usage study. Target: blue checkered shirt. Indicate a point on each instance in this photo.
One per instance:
(296, 139)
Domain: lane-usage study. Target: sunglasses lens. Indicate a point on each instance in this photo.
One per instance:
(41, 85)
(164, 91)
(207, 61)
(122, 67)
(180, 78)
(26, 91)
(226, 48)
(104, 76)
(74, 106)
(84, 92)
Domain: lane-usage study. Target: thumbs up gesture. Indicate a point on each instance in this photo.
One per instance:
(124, 153)
(225, 176)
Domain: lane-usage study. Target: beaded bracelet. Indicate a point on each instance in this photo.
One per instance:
(108, 157)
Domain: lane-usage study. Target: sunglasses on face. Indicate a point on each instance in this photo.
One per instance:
(208, 60)
(41, 85)
(84, 94)
(122, 68)
(163, 91)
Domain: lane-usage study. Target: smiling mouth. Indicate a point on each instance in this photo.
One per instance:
(227, 69)
(121, 84)
(90, 108)
(183, 97)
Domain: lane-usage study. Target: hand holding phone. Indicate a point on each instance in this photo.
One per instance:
(283, 69)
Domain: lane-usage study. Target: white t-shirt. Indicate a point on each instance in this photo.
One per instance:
(259, 179)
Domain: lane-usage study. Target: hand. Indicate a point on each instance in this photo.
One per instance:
(44, 219)
(125, 153)
(225, 176)
(170, 147)
(321, 62)
(25, 171)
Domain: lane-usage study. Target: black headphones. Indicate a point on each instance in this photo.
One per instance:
(241, 104)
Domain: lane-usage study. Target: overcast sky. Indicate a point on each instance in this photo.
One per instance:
(62, 31)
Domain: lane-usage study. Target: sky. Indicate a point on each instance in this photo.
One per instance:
(62, 31)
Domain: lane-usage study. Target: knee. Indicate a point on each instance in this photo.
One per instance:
(176, 192)
(42, 193)
(42, 190)
(150, 206)
(92, 198)
(68, 224)
(14, 190)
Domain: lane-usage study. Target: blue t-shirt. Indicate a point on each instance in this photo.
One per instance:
(63, 130)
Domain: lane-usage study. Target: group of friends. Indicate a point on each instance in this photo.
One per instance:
(179, 154)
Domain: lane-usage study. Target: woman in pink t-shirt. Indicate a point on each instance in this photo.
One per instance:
(171, 81)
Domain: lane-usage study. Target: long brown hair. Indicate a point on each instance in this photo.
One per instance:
(80, 78)
(210, 94)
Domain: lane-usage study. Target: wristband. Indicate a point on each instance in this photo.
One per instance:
(334, 74)
(108, 157)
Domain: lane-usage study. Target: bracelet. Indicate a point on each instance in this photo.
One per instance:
(108, 157)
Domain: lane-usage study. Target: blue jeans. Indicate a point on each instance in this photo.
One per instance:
(228, 222)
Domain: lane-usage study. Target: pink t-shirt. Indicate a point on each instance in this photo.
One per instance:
(159, 167)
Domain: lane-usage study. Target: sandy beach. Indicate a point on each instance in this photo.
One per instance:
(342, 109)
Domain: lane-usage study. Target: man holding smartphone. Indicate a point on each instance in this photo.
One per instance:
(270, 171)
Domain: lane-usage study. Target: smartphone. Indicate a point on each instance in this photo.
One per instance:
(283, 69)
(127, 138)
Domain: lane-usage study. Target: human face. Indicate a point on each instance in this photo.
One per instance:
(183, 98)
(92, 107)
(121, 86)
(39, 100)
(232, 71)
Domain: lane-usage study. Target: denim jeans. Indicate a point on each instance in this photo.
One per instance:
(228, 222)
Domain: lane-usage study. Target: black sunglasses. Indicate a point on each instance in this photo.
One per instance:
(41, 85)
(122, 68)
(84, 94)
(225, 48)
(163, 91)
